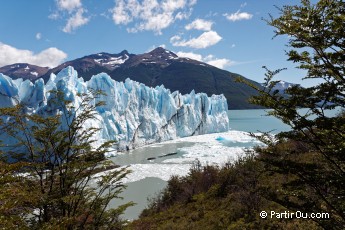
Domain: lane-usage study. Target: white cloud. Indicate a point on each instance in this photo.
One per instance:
(243, 4)
(172, 5)
(192, 2)
(205, 40)
(190, 55)
(77, 20)
(75, 14)
(209, 59)
(38, 36)
(54, 16)
(120, 16)
(211, 14)
(218, 62)
(238, 16)
(150, 15)
(183, 15)
(68, 5)
(49, 57)
(221, 63)
(199, 24)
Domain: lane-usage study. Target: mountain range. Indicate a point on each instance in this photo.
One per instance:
(281, 86)
(155, 68)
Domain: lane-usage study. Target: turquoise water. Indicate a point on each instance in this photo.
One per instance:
(257, 120)
(139, 192)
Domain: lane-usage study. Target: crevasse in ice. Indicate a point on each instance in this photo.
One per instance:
(134, 114)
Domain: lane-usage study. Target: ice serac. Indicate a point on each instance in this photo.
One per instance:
(134, 114)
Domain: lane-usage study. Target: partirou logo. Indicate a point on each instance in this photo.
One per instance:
(290, 215)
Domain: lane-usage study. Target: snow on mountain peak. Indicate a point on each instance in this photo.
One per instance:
(281, 86)
(111, 61)
(160, 51)
(34, 73)
(134, 114)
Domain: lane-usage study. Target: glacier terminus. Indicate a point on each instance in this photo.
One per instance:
(134, 114)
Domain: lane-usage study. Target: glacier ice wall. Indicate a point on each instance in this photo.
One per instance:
(134, 114)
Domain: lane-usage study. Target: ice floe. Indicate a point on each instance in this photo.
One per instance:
(208, 149)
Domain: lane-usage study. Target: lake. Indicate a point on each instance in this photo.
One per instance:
(255, 120)
(150, 176)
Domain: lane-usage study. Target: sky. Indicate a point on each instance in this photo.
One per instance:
(229, 34)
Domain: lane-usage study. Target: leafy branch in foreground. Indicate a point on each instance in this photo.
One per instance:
(311, 156)
(53, 172)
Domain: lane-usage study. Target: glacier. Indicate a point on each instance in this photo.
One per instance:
(134, 114)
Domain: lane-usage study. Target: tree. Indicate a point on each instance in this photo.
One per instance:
(310, 158)
(53, 175)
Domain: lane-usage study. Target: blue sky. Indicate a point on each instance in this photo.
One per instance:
(229, 34)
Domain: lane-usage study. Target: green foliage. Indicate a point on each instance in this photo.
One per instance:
(311, 157)
(53, 175)
(231, 200)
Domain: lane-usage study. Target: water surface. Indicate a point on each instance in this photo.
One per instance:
(138, 191)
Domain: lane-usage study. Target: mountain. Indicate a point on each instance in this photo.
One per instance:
(134, 114)
(281, 86)
(92, 64)
(162, 67)
(24, 70)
